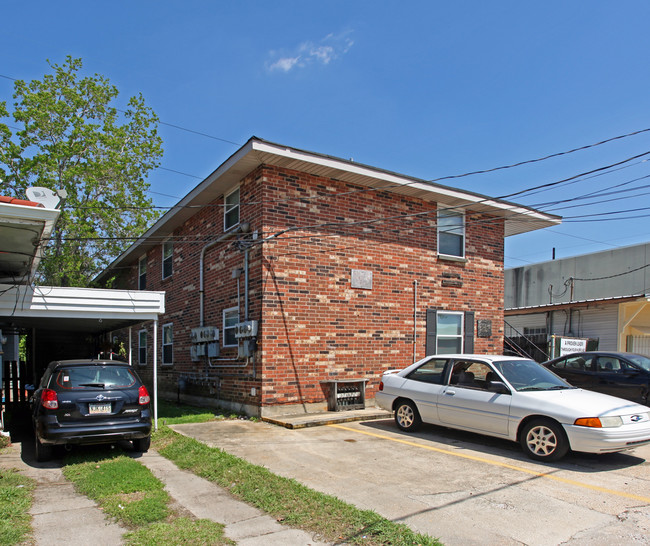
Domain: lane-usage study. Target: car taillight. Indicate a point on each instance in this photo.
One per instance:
(143, 395)
(49, 399)
(381, 385)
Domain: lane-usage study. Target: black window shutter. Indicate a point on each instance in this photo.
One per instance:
(432, 325)
(468, 344)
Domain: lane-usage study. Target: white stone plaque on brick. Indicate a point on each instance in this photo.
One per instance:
(362, 279)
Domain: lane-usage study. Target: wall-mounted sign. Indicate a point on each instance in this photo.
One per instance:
(570, 345)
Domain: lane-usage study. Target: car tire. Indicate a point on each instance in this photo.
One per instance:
(142, 444)
(544, 440)
(42, 452)
(407, 417)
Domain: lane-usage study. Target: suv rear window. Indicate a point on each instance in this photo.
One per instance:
(92, 377)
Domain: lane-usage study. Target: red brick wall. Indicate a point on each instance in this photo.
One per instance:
(316, 327)
(313, 325)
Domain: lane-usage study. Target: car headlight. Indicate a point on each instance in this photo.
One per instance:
(599, 422)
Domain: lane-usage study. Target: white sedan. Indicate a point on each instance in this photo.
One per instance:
(513, 398)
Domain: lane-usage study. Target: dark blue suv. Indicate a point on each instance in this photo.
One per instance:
(90, 402)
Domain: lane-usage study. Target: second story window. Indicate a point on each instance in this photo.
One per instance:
(231, 210)
(451, 233)
(167, 259)
(142, 273)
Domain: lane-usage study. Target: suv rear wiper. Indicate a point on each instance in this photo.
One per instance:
(100, 385)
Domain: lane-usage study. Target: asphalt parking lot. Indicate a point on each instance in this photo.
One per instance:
(460, 487)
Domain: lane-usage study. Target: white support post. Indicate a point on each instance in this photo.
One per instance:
(155, 374)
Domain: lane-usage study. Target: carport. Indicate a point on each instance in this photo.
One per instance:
(67, 323)
(56, 322)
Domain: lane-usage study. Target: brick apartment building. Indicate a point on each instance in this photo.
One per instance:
(294, 279)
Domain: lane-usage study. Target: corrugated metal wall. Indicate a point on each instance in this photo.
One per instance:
(519, 322)
(599, 322)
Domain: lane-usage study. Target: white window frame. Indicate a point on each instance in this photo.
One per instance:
(451, 230)
(140, 347)
(228, 208)
(460, 335)
(142, 264)
(169, 244)
(229, 310)
(165, 327)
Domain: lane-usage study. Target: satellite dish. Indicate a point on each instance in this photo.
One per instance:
(45, 196)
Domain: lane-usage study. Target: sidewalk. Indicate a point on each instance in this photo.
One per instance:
(61, 515)
(246, 525)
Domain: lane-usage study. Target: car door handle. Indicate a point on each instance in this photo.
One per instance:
(450, 393)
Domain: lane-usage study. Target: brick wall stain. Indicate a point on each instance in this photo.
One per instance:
(313, 325)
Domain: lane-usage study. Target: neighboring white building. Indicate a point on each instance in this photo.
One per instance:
(603, 296)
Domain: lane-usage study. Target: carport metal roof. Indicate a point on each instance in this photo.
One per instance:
(23, 227)
(88, 310)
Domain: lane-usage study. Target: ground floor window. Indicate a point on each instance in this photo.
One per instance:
(142, 347)
(168, 344)
(449, 332)
(449, 337)
(230, 321)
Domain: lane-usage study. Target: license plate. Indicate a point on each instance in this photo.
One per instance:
(99, 408)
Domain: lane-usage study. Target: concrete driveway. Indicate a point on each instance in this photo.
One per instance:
(460, 487)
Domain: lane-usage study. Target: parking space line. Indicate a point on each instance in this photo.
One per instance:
(497, 463)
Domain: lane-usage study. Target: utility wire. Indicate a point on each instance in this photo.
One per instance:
(612, 276)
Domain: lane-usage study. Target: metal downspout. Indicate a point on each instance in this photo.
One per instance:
(242, 228)
(415, 319)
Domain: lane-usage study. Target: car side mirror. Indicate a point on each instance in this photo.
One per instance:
(498, 387)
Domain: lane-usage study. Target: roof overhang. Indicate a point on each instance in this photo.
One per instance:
(23, 229)
(89, 310)
(565, 305)
(256, 152)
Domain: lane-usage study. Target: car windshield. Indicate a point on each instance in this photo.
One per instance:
(528, 375)
(641, 361)
(89, 377)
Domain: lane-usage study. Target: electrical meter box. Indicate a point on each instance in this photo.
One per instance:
(246, 329)
(204, 334)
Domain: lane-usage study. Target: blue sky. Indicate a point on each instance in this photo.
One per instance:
(424, 88)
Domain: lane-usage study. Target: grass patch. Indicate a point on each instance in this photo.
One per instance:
(285, 499)
(130, 493)
(180, 531)
(124, 488)
(15, 502)
(170, 413)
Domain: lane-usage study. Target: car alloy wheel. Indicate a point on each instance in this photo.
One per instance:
(544, 440)
(406, 416)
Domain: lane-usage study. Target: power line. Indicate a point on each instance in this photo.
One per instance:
(558, 154)
(612, 276)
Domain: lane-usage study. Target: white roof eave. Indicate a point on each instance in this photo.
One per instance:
(255, 152)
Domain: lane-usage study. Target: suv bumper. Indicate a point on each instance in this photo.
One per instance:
(92, 434)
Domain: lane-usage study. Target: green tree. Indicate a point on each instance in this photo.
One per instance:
(72, 137)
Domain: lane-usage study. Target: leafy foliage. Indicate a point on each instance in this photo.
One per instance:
(72, 138)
